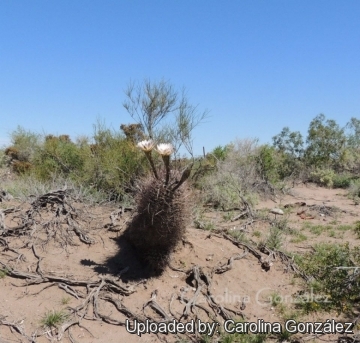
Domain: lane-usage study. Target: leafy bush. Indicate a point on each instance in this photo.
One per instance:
(2, 158)
(218, 154)
(326, 142)
(109, 165)
(27, 185)
(112, 163)
(274, 239)
(342, 180)
(334, 269)
(357, 229)
(234, 178)
(268, 163)
(323, 177)
(57, 156)
(354, 190)
(24, 144)
(3, 273)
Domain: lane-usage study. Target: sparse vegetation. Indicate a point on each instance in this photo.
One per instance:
(335, 267)
(236, 179)
(299, 237)
(324, 177)
(229, 182)
(354, 191)
(274, 240)
(65, 300)
(332, 229)
(357, 229)
(239, 235)
(52, 319)
(3, 273)
(257, 234)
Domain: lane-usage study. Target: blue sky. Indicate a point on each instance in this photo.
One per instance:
(256, 65)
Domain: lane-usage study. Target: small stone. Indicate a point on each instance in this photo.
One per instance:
(277, 211)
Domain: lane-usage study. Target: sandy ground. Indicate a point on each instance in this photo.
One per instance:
(243, 289)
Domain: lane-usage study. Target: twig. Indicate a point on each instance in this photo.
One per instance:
(224, 268)
(156, 307)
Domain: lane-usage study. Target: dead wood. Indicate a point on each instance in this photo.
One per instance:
(18, 327)
(203, 282)
(156, 307)
(122, 308)
(184, 300)
(240, 244)
(115, 218)
(35, 278)
(193, 275)
(242, 214)
(224, 268)
(326, 210)
(63, 221)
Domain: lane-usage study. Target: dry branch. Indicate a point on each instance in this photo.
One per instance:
(224, 268)
(156, 307)
(240, 244)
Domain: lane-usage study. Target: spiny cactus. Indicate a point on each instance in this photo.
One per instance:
(162, 203)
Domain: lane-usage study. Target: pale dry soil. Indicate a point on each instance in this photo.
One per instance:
(244, 288)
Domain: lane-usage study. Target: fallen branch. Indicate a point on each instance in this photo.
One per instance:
(224, 268)
(156, 307)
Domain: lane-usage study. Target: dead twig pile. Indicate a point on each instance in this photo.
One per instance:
(51, 216)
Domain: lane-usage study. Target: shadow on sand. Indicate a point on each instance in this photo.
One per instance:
(125, 264)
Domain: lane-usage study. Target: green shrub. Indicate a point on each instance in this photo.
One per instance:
(235, 179)
(342, 180)
(323, 177)
(357, 229)
(218, 154)
(26, 185)
(299, 237)
(354, 190)
(25, 143)
(268, 163)
(334, 269)
(114, 165)
(274, 240)
(58, 156)
(325, 143)
(3, 273)
(2, 158)
(110, 164)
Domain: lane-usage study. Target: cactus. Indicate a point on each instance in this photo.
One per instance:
(162, 211)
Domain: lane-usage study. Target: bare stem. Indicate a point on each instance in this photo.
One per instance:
(185, 175)
(166, 159)
(149, 157)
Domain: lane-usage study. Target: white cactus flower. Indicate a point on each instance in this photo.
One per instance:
(165, 149)
(146, 145)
